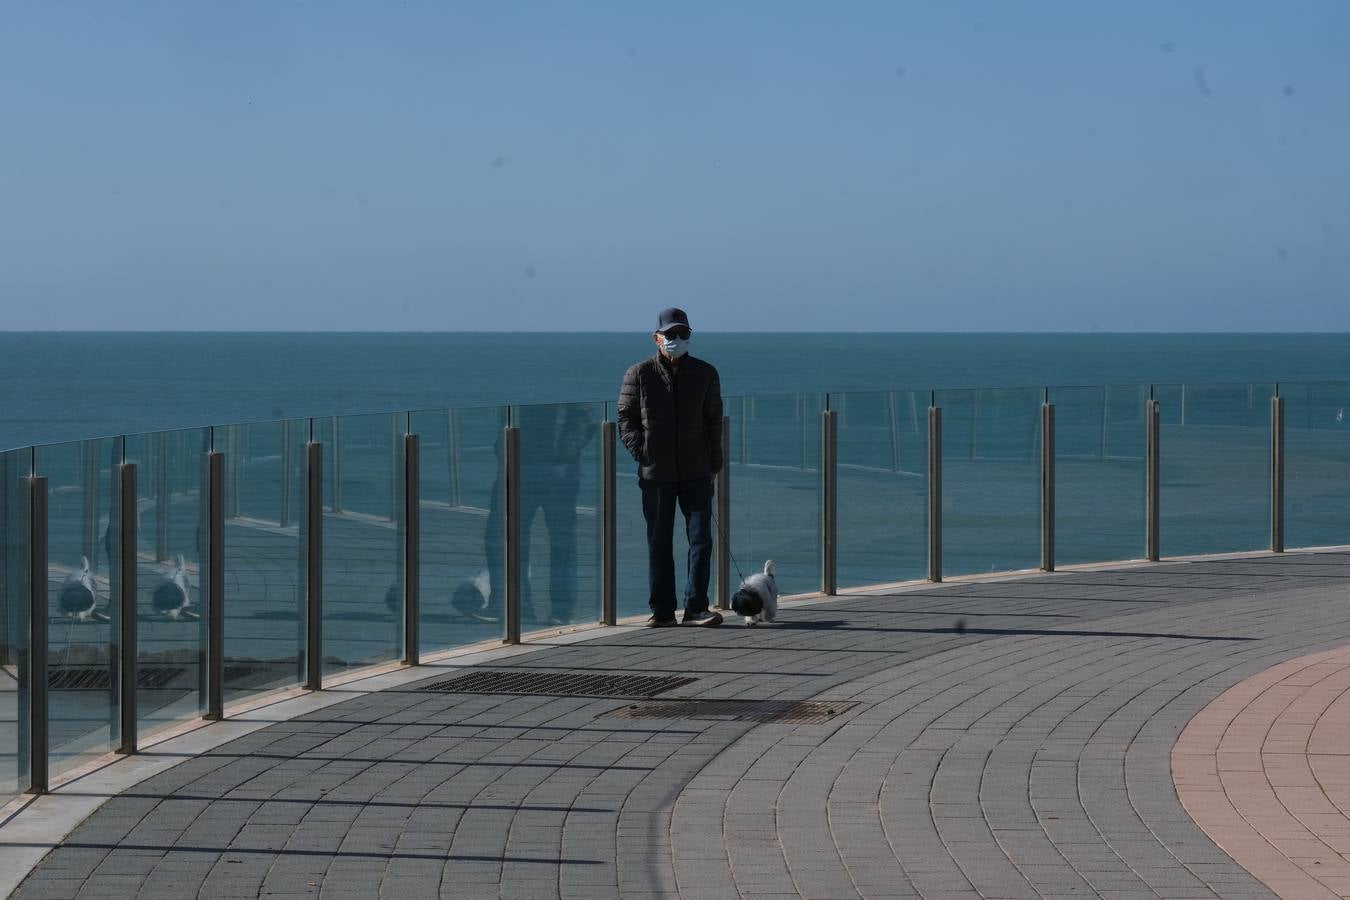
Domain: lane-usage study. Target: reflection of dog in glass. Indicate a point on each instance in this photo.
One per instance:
(757, 597)
(78, 597)
(173, 595)
(471, 598)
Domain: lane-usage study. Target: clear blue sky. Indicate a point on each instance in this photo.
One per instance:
(769, 166)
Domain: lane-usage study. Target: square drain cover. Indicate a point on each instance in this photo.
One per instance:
(786, 712)
(558, 684)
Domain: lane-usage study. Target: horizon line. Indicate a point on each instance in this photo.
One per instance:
(629, 332)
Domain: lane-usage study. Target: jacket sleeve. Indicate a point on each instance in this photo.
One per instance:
(630, 414)
(712, 422)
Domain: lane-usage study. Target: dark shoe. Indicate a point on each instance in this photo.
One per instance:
(654, 622)
(702, 618)
(486, 616)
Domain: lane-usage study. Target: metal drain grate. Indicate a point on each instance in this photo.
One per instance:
(559, 684)
(89, 678)
(782, 712)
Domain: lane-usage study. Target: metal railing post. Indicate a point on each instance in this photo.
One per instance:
(934, 493)
(126, 651)
(1277, 474)
(1153, 478)
(609, 545)
(722, 487)
(314, 565)
(215, 586)
(37, 635)
(511, 460)
(829, 502)
(1047, 487)
(412, 538)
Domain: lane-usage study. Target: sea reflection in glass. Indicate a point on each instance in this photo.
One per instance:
(774, 455)
(1215, 467)
(1317, 464)
(991, 480)
(883, 486)
(1100, 477)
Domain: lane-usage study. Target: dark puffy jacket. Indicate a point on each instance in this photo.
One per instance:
(670, 419)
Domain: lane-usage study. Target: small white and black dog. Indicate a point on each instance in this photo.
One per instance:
(757, 597)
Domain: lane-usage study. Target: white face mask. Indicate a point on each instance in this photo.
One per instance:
(674, 347)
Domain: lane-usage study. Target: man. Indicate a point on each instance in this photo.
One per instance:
(670, 419)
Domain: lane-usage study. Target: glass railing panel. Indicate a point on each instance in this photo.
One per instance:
(264, 576)
(84, 598)
(362, 539)
(559, 506)
(774, 456)
(171, 540)
(462, 548)
(1214, 467)
(14, 466)
(883, 486)
(1100, 475)
(780, 432)
(1317, 464)
(991, 479)
(254, 456)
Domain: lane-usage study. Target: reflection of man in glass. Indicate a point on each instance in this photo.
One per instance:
(551, 441)
(670, 419)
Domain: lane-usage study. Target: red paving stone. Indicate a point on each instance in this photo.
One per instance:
(1265, 770)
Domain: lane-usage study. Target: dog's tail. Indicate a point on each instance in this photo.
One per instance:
(768, 568)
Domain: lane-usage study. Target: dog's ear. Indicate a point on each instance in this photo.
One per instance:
(746, 603)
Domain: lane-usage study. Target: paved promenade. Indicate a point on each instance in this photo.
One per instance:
(1006, 739)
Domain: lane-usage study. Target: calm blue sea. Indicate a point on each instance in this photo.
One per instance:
(64, 386)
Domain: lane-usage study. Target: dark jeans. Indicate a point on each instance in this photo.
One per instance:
(658, 508)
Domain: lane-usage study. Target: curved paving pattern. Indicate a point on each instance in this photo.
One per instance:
(1026, 754)
(1265, 770)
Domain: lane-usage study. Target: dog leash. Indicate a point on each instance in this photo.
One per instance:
(726, 543)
